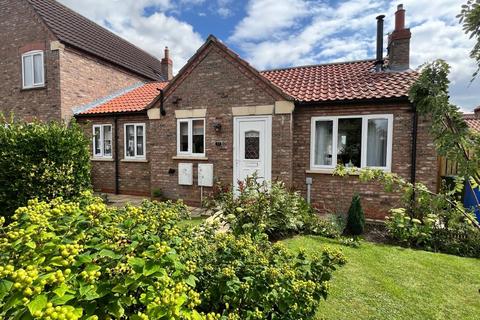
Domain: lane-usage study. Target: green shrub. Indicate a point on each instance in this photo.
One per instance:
(41, 161)
(355, 218)
(426, 220)
(258, 208)
(83, 260)
(248, 277)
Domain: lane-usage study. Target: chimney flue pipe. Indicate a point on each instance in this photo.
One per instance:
(379, 58)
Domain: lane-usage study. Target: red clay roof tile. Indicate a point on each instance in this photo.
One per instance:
(472, 121)
(135, 100)
(341, 81)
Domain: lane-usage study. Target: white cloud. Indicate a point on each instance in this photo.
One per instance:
(268, 17)
(270, 35)
(151, 33)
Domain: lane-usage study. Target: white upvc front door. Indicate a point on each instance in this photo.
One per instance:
(252, 149)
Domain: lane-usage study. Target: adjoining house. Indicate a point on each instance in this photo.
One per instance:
(220, 119)
(53, 59)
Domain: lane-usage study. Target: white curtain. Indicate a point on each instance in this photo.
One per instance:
(377, 142)
(140, 146)
(37, 69)
(27, 71)
(323, 142)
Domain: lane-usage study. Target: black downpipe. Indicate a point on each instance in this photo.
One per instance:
(162, 108)
(414, 144)
(116, 156)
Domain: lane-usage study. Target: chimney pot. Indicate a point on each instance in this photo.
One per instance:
(167, 65)
(399, 43)
(167, 53)
(400, 18)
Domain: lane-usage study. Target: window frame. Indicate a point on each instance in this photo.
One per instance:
(102, 141)
(363, 151)
(135, 125)
(32, 54)
(190, 153)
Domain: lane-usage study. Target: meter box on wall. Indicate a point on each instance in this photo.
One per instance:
(205, 174)
(185, 174)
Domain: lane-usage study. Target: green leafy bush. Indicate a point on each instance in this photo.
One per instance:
(258, 208)
(356, 217)
(248, 277)
(83, 260)
(435, 222)
(41, 161)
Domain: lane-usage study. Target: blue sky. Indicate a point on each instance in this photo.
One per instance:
(280, 33)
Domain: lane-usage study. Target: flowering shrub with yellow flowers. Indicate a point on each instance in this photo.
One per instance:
(248, 277)
(84, 260)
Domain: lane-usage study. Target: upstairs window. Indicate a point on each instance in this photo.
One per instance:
(352, 141)
(191, 137)
(102, 141)
(135, 141)
(33, 70)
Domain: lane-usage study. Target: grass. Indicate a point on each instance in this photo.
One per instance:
(389, 282)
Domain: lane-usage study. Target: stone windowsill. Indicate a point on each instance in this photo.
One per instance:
(102, 159)
(33, 88)
(326, 171)
(134, 160)
(191, 158)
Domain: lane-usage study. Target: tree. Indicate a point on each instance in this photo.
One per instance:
(470, 18)
(451, 135)
(356, 217)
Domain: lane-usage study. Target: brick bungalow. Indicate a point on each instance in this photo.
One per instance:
(52, 59)
(293, 124)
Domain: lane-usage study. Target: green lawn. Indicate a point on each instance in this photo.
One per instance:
(389, 282)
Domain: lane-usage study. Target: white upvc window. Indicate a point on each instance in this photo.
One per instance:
(135, 141)
(33, 73)
(353, 141)
(191, 137)
(102, 141)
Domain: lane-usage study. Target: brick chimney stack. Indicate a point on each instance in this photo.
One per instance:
(167, 66)
(399, 43)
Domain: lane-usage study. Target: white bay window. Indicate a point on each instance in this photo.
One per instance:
(102, 141)
(352, 141)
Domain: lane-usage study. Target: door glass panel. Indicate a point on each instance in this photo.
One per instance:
(349, 142)
(377, 143)
(198, 136)
(323, 142)
(184, 136)
(252, 145)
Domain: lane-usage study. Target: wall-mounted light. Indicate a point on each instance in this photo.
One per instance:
(217, 126)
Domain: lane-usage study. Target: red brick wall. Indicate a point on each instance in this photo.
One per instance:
(134, 176)
(217, 84)
(84, 78)
(332, 193)
(21, 31)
